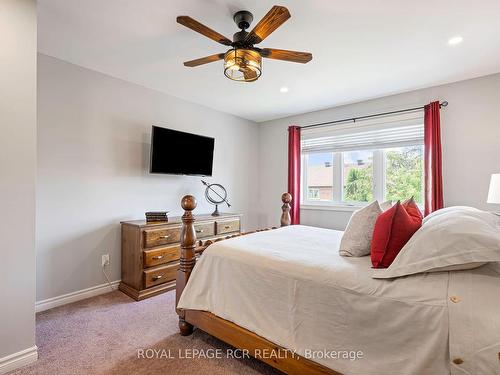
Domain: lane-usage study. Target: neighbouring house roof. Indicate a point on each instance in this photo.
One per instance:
(319, 175)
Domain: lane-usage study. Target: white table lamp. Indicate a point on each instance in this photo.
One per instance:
(494, 193)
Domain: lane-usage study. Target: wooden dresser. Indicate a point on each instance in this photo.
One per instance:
(151, 251)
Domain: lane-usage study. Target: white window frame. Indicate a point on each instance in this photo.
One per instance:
(337, 204)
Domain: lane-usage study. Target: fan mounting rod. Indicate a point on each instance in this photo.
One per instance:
(243, 19)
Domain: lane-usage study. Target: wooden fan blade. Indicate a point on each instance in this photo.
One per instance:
(282, 54)
(204, 30)
(270, 22)
(204, 60)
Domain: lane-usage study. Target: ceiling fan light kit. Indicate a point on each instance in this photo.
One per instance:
(243, 62)
(242, 65)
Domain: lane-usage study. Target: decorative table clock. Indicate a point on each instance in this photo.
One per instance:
(215, 194)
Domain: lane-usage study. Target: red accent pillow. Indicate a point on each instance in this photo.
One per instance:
(392, 231)
(411, 207)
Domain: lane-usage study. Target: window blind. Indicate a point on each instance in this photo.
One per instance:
(390, 131)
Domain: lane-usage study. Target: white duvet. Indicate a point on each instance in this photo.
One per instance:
(290, 286)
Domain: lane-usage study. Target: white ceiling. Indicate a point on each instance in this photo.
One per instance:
(361, 48)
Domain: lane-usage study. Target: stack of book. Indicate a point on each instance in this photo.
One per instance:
(156, 216)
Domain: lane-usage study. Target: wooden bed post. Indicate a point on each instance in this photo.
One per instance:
(188, 258)
(286, 220)
(188, 250)
(225, 330)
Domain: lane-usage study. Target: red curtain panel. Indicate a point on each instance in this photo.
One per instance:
(294, 172)
(432, 159)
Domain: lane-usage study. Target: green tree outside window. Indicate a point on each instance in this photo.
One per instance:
(359, 185)
(404, 174)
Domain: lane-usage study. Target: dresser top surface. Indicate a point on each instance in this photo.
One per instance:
(178, 220)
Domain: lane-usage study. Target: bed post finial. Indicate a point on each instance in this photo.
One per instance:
(188, 258)
(286, 198)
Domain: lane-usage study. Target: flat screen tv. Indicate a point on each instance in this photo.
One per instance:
(175, 152)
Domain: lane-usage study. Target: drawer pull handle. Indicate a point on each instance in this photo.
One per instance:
(157, 277)
(227, 226)
(199, 230)
(165, 236)
(158, 257)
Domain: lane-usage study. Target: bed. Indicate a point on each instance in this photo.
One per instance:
(287, 290)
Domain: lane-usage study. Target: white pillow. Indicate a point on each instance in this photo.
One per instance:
(449, 210)
(357, 238)
(454, 238)
(384, 206)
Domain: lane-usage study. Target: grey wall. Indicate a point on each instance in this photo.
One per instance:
(93, 148)
(470, 128)
(17, 174)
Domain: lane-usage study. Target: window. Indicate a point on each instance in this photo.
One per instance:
(404, 173)
(355, 164)
(313, 193)
(357, 173)
(319, 177)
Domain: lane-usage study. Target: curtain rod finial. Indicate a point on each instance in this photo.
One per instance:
(444, 104)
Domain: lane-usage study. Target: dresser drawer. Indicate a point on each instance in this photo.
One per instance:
(162, 255)
(163, 236)
(204, 230)
(228, 226)
(160, 275)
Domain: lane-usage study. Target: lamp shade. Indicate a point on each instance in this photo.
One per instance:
(494, 193)
(243, 65)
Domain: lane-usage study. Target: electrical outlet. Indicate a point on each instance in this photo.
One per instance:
(105, 260)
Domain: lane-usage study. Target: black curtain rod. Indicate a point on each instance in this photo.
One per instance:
(354, 119)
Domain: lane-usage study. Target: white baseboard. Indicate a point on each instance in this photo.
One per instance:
(19, 359)
(75, 296)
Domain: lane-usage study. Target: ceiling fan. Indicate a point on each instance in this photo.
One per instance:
(243, 62)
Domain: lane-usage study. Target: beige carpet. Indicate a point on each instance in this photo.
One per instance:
(102, 335)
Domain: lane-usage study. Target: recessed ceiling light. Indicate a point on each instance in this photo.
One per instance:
(455, 40)
(284, 89)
